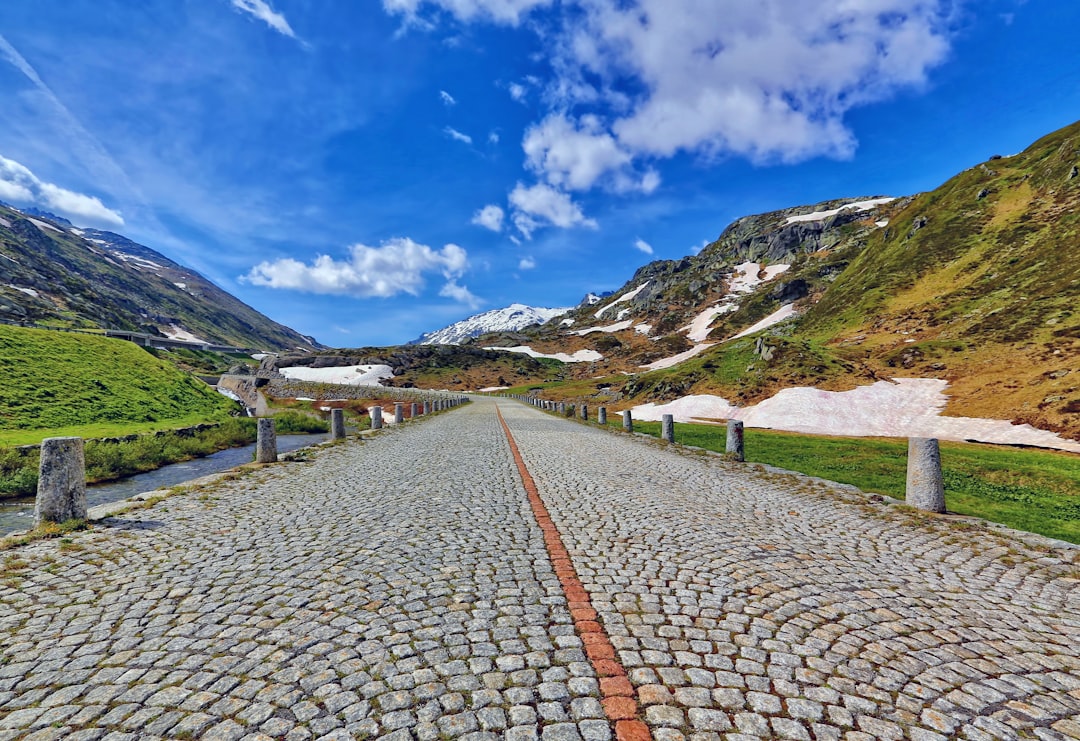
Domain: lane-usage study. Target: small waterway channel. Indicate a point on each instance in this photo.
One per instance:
(18, 514)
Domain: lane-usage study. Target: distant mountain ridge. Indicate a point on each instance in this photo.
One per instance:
(55, 274)
(509, 319)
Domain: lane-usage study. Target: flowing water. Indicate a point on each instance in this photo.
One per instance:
(18, 514)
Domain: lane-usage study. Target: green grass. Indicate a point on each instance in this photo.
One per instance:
(56, 383)
(1030, 490)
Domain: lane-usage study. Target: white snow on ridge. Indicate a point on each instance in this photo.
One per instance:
(609, 328)
(5, 222)
(178, 333)
(27, 291)
(181, 286)
(905, 407)
(784, 312)
(489, 389)
(676, 359)
(821, 215)
(352, 375)
(509, 319)
(644, 329)
(699, 327)
(746, 280)
(43, 224)
(625, 297)
(581, 356)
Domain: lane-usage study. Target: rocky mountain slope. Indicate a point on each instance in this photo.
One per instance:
(976, 283)
(53, 274)
(510, 319)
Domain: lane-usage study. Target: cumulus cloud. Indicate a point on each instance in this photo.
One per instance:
(526, 263)
(641, 244)
(261, 9)
(457, 135)
(20, 186)
(542, 205)
(447, 98)
(461, 294)
(396, 266)
(508, 12)
(517, 91)
(489, 217)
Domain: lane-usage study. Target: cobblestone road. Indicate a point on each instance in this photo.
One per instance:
(401, 588)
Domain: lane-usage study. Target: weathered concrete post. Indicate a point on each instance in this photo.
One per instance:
(627, 421)
(61, 491)
(667, 428)
(337, 424)
(735, 447)
(601, 416)
(412, 411)
(399, 412)
(266, 445)
(427, 407)
(925, 485)
(585, 412)
(562, 407)
(376, 417)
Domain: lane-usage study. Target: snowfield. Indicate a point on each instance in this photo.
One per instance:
(676, 359)
(905, 407)
(784, 312)
(822, 215)
(625, 297)
(609, 328)
(581, 356)
(352, 375)
(178, 333)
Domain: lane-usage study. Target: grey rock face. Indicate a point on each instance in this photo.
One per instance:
(61, 492)
(925, 486)
(266, 445)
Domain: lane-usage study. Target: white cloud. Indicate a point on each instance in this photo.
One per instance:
(644, 246)
(541, 204)
(572, 154)
(493, 137)
(397, 266)
(461, 294)
(508, 12)
(457, 135)
(447, 98)
(526, 263)
(20, 185)
(517, 91)
(489, 217)
(261, 9)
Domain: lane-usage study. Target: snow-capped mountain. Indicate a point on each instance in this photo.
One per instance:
(510, 319)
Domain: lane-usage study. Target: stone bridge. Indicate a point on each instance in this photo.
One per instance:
(455, 577)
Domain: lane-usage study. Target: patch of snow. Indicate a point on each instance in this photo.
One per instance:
(27, 291)
(905, 407)
(5, 222)
(178, 333)
(567, 322)
(304, 398)
(226, 392)
(784, 312)
(881, 224)
(581, 356)
(76, 232)
(510, 319)
(99, 241)
(621, 314)
(644, 329)
(260, 355)
(625, 297)
(699, 327)
(9, 258)
(821, 215)
(181, 286)
(351, 375)
(676, 359)
(618, 326)
(493, 388)
(43, 225)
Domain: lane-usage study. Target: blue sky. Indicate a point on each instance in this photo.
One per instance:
(366, 171)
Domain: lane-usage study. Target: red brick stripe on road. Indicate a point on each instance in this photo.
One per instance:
(619, 699)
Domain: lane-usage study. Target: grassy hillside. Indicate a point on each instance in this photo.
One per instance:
(60, 381)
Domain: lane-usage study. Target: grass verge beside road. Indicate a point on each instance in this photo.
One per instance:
(1033, 490)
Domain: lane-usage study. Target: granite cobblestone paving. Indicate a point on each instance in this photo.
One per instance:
(745, 604)
(400, 588)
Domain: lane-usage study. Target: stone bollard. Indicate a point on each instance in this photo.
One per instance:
(427, 407)
(266, 444)
(627, 421)
(601, 416)
(61, 490)
(399, 412)
(562, 407)
(337, 424)
(925, 486)
(735, 447)
(376, 417)
(412, 411)
(667, 428)
(585, 412)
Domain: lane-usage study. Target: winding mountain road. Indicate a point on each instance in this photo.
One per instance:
(484, 575)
